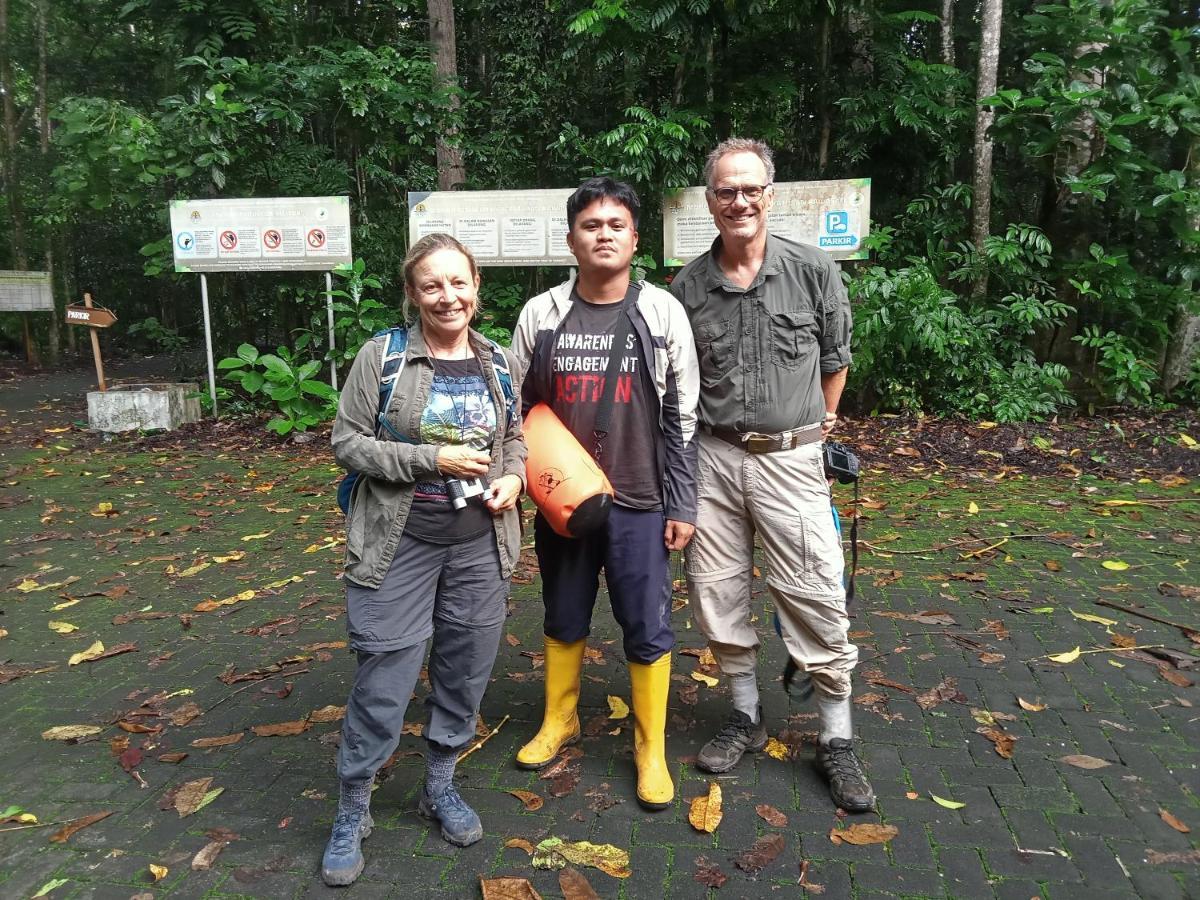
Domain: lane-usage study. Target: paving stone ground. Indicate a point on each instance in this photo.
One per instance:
(1031, 826)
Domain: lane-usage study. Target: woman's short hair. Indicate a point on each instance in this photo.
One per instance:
(427, 246)
(739, 145)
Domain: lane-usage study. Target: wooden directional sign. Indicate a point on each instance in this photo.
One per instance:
(95, 316)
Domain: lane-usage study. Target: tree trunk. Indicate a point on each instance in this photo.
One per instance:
(56, 317)
(948, 32)
(825, 113)
(12, 185)
(452, 174)
(1184, 347)
(989, 62)
(858, 26)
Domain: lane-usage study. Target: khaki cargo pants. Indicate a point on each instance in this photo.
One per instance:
(783, 498)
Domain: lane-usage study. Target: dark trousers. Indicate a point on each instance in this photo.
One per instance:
(637, 570)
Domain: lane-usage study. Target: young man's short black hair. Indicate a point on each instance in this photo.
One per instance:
(603, 188)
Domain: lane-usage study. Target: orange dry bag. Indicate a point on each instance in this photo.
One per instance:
(570, 490)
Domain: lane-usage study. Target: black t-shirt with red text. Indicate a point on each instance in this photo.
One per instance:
(581, 355)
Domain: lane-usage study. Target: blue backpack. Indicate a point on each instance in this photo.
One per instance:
(389, 375)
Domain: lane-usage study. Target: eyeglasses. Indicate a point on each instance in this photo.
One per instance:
(751, 192)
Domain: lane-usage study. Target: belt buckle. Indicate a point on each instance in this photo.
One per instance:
(758, 443)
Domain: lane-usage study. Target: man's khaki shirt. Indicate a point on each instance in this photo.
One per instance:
(763, 348)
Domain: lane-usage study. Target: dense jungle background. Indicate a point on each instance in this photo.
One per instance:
(1036, 169)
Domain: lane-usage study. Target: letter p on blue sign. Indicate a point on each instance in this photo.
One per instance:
(837, 222)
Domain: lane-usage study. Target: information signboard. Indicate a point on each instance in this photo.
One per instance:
(832, 215)
(26, 292)
(501, 228)
(267, 234)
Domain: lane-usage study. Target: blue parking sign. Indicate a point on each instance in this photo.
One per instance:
(837, 222)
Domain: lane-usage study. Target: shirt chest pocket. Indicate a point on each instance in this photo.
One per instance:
(716, 346)
(793, 338)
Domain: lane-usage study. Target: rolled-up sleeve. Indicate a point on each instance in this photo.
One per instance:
(836, 322)
(355, 446)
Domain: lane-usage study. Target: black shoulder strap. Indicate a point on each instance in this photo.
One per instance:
(616, 352)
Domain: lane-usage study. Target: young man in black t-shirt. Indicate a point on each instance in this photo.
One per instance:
(564, 341)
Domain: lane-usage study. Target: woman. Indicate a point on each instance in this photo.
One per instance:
(418, 566)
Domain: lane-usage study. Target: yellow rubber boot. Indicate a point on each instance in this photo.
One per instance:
(651, 684)
(560, 721)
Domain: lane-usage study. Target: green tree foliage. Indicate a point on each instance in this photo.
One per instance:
(1094, 248)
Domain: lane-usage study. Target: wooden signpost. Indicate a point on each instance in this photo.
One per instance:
(94, 317)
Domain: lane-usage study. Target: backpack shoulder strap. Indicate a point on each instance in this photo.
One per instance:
(504, 376)
(391, 364)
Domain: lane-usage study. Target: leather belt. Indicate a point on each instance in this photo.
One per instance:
(753, 442)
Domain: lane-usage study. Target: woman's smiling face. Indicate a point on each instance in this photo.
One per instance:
(446, 292)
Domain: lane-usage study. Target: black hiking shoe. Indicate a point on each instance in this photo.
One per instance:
(736, 736)
(848, 785)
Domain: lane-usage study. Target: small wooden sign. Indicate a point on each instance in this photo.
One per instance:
(96, 316)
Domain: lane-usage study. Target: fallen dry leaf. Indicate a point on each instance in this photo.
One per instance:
(223, 741)
(1002, 740)
(618, 709)
(991, 658)
(776, 749)
(705, 679)
(281, 729)
(574, 886)
(185, 714)
(771, 815)
(190, 796)
(944, 692)
(1155, 858)
(531, 800)
(864, 833)
(157, 872)
(1176, 678)
(92, 652)
(176, 757)
(1173, 822)
(508, 889)
(760, 855)
(327, 714)
(1083, 761)
(70, 732)
(555, 853)
(1052, 565)
(1123, 641)
(207, 855)
(1031, 707)
(64, 834)
(1069, 657)
(520, 844)
(708, 873)
(705, 813)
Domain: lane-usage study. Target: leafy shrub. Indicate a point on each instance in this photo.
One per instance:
(287, 382)
(918, 348)
(1121, 375)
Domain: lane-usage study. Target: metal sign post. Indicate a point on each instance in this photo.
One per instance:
(329, 315)
(212, 377)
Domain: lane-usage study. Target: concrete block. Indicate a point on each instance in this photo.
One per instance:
(143, 407)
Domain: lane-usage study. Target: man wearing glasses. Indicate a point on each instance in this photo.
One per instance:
(772, 325)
